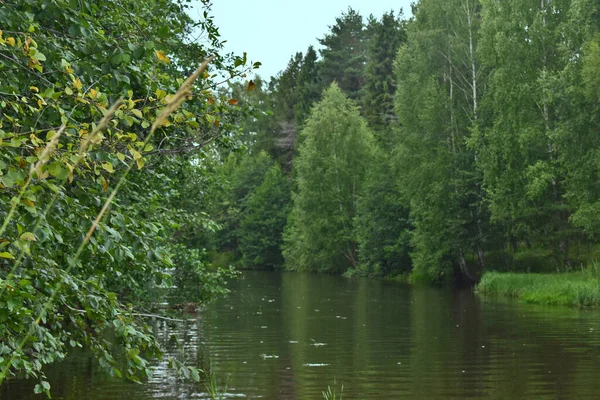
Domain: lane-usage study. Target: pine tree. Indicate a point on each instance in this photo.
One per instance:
(380, 86)
(344, 54)
(308, 86)
(331, 169)
(284, 91)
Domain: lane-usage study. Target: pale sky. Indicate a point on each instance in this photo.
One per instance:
(271, 31)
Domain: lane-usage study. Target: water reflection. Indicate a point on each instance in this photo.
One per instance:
(289, 336)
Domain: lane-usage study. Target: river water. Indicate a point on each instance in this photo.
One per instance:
(291, 335)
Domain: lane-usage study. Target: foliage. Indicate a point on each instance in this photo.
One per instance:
(68, 159)
(261, 228)
(308, 86)
(331, 169)
(382, 224)
(437, 106)
(380, 83)
(235, 182)
(344, 54)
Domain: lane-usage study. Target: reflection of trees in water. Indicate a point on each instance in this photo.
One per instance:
(380, 340)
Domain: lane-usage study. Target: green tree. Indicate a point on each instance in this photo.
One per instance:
(261, 228)
(67, 156)
(344, 54)
(331, 169)
(522, 46)
(380, 82)
(309, 86)
(438, 77)
(235, 181)
(383, 227)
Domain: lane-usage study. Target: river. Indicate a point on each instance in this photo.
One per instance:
(291, 335)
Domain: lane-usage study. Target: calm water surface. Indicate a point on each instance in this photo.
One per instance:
(290, 335)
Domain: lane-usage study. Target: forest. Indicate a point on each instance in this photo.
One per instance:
(437, 148)
(458, 141)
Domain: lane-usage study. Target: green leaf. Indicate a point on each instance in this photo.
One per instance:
(164, 32)
(108, 167)
(57, 170)
(7, 255)
(28, 236)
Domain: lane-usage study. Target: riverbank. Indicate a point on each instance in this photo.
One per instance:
(579, 289)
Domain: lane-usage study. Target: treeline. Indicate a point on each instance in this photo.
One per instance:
(460, 140)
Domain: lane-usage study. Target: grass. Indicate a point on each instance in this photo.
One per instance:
(578, 289)
(215, 390)
(332, 394)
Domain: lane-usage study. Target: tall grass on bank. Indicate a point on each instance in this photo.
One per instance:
(580, 289)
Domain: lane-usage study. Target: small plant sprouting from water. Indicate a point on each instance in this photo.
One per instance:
(215, 391)
(330, 394)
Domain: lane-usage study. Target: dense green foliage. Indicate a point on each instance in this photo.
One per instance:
(99, 205)
(331, 169)
(485, 116)
(261, 227)
(459, 141)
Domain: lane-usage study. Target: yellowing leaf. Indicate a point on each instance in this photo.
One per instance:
(161, 57)
(233, 102)
(137, 113)
(108, 167)
(6, 254)
(11, 41)
(68, 69)
(93, 93)
(160, 93)
(121, 156)
(77, 84)
(136, 154)
(28, 202)
(28, 236)
(140, 163)
(251, 86)
(34, 89)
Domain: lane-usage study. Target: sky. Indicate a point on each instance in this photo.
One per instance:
(271, 31)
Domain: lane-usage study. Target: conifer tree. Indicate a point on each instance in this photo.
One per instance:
(380, 85)
(308, 86)
(344, 54)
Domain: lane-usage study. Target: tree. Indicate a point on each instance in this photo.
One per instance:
(236, 180)
(261, 228)
(380, 85)
(308, 86)
(344, 54)
(438, 77)
(522, 45)
(382, 224)
(331, 169)
(84, 186)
